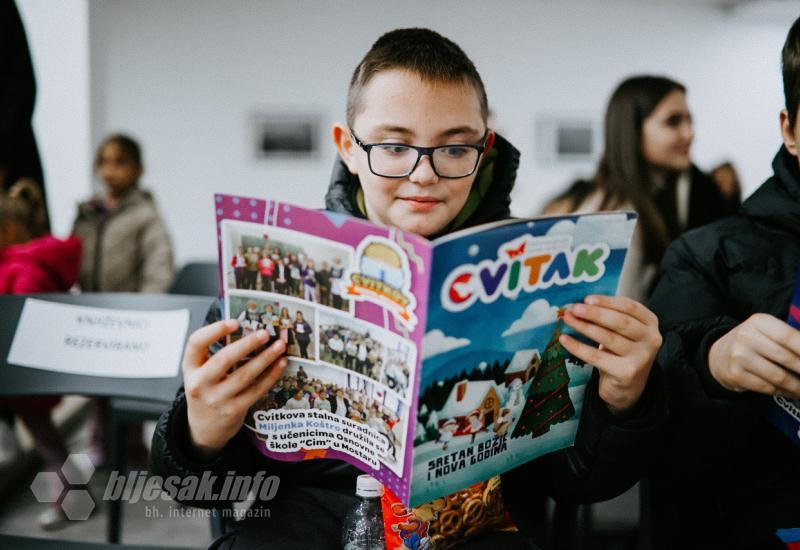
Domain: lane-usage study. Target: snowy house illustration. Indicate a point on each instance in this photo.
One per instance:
(523, 366)
(483, 396)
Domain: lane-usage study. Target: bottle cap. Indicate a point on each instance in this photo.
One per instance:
(368, 486)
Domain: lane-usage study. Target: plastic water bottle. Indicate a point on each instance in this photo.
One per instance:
(363, 526)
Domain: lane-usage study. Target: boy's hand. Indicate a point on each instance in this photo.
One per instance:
(628, 338)
(762, 354)
(218, 397)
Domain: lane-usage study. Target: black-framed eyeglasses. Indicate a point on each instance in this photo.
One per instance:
(397, 160)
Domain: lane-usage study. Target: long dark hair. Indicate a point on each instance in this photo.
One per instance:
(623, 175)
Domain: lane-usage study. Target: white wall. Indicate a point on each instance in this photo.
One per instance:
(58, 37)
(182, 75)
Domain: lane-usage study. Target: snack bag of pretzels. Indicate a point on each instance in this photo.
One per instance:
(446, 521)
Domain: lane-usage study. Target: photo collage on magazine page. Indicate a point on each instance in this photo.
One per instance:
(349, 383)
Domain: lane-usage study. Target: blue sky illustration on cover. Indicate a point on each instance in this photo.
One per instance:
(480, 398)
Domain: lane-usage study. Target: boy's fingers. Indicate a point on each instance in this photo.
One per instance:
(588, 354)
(766, 347)
(623, 305)
(616, 321)
(218, 366)
(782, 379)
(244, 376)
(263, 383)
(749, 381)
(779, 332)
(199, 341)
(606, 338)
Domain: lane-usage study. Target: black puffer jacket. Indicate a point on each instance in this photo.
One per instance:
(723, 470)
(606, 460)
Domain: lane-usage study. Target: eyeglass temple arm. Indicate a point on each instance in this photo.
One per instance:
(489, 142)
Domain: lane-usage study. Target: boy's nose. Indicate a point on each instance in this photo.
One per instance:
(423, 174)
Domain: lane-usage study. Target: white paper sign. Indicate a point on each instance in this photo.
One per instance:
(99, 342)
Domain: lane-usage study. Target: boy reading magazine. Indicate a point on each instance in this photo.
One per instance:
(418, 91)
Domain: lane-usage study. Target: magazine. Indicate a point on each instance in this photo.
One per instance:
(784, 412)
(430, 365)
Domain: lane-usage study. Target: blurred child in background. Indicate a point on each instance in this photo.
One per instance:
(33, 261)
(727, 181)
(126, 245)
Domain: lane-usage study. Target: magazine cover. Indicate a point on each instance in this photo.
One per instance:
(784, 412)
(497, 389)
(430, 365)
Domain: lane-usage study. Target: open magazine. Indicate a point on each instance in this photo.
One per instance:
(430, 365)
(784, 412)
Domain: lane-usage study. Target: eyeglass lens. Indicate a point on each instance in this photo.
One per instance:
(398, 160)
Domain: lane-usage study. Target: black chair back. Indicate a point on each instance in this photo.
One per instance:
(197, 279)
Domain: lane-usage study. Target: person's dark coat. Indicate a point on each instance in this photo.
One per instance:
(706, 203)
(335, 406)
(19, 156)
(315, 495)
(725, 478)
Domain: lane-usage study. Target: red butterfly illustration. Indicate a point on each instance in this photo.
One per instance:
(513, 253)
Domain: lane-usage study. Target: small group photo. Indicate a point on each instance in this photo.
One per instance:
(366, 349)
(289, 320)
(277, 260)
(306, 385)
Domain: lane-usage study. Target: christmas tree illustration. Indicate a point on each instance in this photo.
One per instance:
(547, 401)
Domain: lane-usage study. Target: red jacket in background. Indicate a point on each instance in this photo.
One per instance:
(45, 264)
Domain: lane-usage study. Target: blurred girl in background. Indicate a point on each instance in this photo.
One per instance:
(646, 167)
(126, 249)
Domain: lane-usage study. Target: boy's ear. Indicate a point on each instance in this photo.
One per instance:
(788, 134)
(345, 146)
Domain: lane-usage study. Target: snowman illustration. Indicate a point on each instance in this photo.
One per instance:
(515, 392)
(446, 431)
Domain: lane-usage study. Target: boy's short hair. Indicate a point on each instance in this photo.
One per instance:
(421, 51)
(791, 71)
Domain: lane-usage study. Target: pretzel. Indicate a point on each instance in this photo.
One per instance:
(467, 513)
(465, 494)
(450, 522)
(474, 512)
